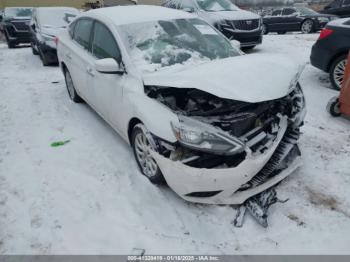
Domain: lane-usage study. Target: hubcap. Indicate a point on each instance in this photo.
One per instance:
(339, 71)
(307, 27)
(144, 157)
(70, 85)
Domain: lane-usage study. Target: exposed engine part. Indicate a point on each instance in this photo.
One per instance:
(257, 207)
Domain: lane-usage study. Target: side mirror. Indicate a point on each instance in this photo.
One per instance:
(33, 27)
(108, 66)
(235, 44)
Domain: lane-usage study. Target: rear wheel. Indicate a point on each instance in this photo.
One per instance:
(11, 44)
(34, 51)
(71, 89)
(307, 26)
(43, 57)
(337, 71)
(142, 151)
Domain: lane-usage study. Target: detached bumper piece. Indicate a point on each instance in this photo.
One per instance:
(257, 207)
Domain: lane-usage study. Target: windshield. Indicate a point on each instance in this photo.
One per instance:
(306, 11)
(57, 18)
(160, 44)
(17, 12)
(217, 5)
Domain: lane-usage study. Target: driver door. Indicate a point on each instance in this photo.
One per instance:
(107, 89)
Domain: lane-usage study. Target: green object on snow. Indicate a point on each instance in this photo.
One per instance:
(59, 143)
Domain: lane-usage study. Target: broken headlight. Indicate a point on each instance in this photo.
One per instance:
(199, 136)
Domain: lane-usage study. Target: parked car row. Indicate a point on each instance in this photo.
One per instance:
(198, 114)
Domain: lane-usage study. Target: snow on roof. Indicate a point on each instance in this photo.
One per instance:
(340, 22)
(137, 14)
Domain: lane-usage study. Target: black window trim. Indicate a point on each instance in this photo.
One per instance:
(115, 40)
(92, 27)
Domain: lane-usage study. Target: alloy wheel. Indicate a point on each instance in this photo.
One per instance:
(307, 26)
(338, 73)
(143, 155)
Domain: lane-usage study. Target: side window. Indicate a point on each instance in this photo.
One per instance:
(276, 13)
(288, 11)
(187, 5)
(82, 32)
(104, 44)
(336, 4)
(71, 29)
(346, 3)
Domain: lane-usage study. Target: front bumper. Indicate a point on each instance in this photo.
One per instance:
(246, 38)
(50, 52)
(17, 36)
(224, 183)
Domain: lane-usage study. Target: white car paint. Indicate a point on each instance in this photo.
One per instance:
(120, 98)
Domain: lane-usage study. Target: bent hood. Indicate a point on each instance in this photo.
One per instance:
(248, 78)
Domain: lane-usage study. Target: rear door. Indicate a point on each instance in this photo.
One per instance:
(274, 21)
(78, 55)
(290, 19)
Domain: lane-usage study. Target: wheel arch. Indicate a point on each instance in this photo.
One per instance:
(132, 123)
(336, 56)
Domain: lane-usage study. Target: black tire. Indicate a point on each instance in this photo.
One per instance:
(265, 29)
(157, 178)
(281, 32)
(333, 107)
(247, 48)
(34, 51)
(43, 57)
(71, 90)
(11, 44)
(332, 71)
(310, 30)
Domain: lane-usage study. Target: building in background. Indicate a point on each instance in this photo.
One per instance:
(73, 3)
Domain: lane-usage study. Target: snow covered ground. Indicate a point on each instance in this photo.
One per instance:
(88, 197)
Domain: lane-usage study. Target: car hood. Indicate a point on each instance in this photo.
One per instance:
(231, 15)
(249, 78)
(52, 31)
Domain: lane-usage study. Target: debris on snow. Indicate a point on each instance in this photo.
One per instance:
(59, 143)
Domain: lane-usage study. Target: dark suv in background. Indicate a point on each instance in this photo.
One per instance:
(340, 8)
(15, 25)
(330, 51)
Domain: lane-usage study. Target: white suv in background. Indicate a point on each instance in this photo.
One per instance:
(216, 125)
(233, 22)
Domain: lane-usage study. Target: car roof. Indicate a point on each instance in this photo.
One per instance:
(121, 15)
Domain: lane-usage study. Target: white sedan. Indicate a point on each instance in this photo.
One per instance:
(216, 125)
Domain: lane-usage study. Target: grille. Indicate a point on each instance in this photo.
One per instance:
(20, 26)
(246, 25)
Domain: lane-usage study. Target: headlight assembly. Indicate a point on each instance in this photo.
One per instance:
(199, 136)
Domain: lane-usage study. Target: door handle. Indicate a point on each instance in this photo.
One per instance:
(90, 71)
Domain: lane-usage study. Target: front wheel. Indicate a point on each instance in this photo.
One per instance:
(333, 107)
(34, 51)
(307, 26)
(142, 151)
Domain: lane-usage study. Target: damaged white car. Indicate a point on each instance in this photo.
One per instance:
(218, 126)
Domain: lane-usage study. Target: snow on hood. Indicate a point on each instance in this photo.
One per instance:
(52, 31)
(249, 78)
(231, 15)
